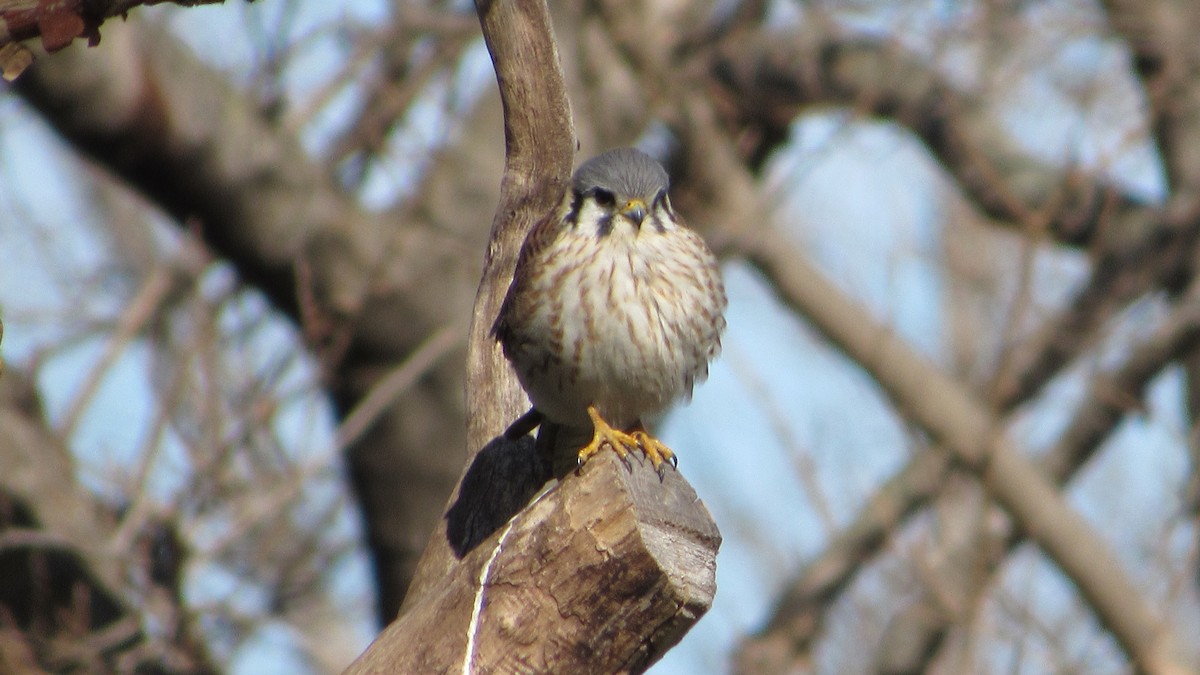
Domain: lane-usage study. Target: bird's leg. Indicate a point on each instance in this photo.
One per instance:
(654, 449)
(524, 424)
(605, 434)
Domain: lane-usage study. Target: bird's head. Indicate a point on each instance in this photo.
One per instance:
(621, 185)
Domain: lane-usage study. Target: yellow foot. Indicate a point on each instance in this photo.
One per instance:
(623, 443)
(620, 442)
(658, 453)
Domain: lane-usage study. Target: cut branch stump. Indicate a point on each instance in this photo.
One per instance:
(600, 573)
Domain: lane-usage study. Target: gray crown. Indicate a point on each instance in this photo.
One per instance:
(626, 172)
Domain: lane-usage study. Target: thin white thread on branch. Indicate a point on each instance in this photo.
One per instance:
(477, 609)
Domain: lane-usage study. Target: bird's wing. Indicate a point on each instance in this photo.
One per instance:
(540, 236)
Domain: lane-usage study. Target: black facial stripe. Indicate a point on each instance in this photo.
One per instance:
(604, 225)
(576, 205)
(656, 218)
(666, 203)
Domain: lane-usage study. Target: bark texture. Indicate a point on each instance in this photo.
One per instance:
(602, 573)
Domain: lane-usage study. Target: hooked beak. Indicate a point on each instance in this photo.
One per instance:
(635, 210)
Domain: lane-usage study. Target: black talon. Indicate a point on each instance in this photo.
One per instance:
(625, 461)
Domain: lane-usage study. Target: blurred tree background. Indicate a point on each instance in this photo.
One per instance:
(952, 429)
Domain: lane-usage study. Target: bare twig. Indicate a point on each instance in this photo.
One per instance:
(952, 416)
(388, 389)
(156, 287)
(58, 23)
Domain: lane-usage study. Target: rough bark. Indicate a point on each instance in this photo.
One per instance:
(600, 574)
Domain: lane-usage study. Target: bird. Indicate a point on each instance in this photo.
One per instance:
(615, 310)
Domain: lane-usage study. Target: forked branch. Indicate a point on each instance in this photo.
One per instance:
(601, 572)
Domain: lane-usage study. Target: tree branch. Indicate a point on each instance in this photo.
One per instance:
(366, 292)
(1110, 397)
(539, 152)
(768, 82)
(600, 574)
(57, 24)
(69, 605)
(800, 612)
(1165, 58)
(951, 415)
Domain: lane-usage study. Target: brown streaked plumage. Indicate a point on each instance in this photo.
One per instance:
(615, 309)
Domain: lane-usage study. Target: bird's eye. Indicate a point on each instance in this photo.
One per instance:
(605, 198)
